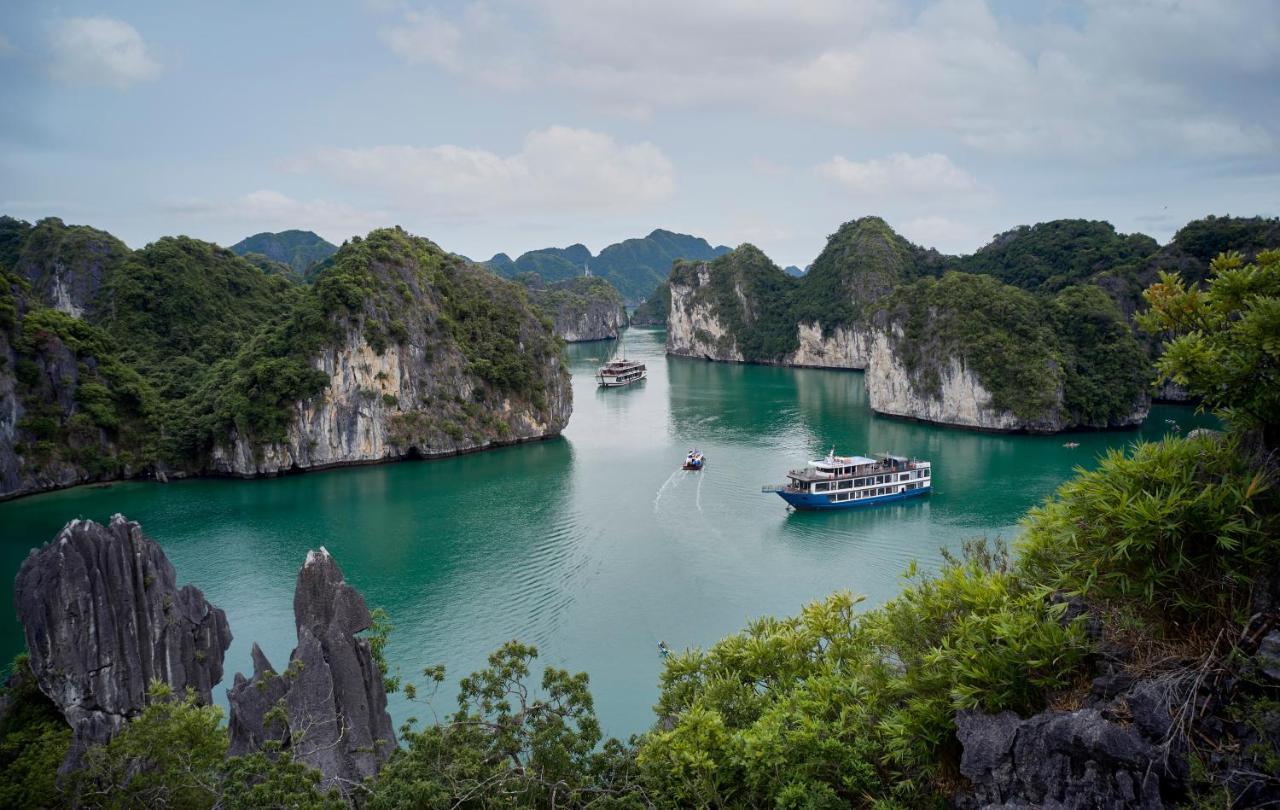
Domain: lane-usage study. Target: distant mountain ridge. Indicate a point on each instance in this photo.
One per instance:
(633, 266)
(302, 251)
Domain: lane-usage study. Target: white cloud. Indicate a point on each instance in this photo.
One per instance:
(1118, 81)
(901, 175)
(557, 167)
(425, 37)
(100, 51)
(942, 233)
(271, 210)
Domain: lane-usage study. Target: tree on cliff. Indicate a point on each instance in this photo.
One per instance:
(1225, 338)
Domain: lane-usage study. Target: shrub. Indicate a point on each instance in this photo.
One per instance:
(1180, 527)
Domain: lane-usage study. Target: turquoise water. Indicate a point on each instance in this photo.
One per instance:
(593, 546)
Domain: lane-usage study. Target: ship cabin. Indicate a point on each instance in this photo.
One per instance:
(621, 372)
(855, 478)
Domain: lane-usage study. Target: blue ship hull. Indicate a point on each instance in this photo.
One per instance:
(809, 500)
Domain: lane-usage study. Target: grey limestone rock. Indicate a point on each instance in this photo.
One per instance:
(1054, 759)
(333, 692)
(250, 701)
(104, 618)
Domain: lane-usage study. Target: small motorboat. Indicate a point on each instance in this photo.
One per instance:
(694, 460)
(663, 649)
(1071, 445)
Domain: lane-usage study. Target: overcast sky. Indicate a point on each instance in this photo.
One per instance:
(509, 125)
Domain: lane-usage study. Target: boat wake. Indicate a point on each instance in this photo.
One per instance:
(675, 476)
(698, 497)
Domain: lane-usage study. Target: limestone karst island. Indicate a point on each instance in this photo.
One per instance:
(505, 404)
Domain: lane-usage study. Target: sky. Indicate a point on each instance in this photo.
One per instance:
(510, 125)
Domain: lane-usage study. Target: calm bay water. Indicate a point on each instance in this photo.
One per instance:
(593, 546)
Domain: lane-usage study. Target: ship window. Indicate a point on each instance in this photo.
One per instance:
(925, 472)
(821, 486)
(903, 477)
(911, 486)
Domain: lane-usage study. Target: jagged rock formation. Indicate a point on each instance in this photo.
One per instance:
(1070, 760)
(580, 309)
(251, 700)
(336, 706)
(1142, 731)
(103, 618)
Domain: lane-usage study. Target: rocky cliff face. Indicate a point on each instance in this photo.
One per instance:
(841, 347)
(958, 398)
(598, 320)
(332, 691)
(1133, 742)
(398, 350)
(946, 390)
(65, 265)
(407, 402)
(103, 618)
(580, 309)
(977, 353)
(694, 328)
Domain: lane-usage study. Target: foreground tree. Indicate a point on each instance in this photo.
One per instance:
(1224, 341)
(510, 745)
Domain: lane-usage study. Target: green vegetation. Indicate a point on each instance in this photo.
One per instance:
(633, 266)
(1225, 338)
(1156, 551)
(750, 296)
(59, 360)
(1032, 350)
(184, 344)
(1023, 348)
(653, 312)
(569, 299)
(1205, 239)
(510, 745)
(999, 332)
(862, 262)
(1107, 372)
(1180, 527)
(33, 740)
(50, 251)
(1053, 255)
(301, 251)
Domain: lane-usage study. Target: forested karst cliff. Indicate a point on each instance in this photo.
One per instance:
(188, 359)
(1034, 332)
(301, 251)
(580, 309)
(1124, 654)
(633, 266)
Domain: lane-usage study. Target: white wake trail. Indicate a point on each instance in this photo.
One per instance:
(698, 497)
(665, 486)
